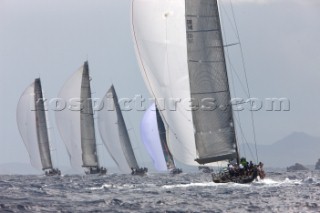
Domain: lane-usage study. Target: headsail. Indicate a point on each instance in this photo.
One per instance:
(114, 132)
(180, 50)
(32, 125)
(75, 120)
(153, 135)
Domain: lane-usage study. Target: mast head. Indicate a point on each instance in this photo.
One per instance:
(86, 68)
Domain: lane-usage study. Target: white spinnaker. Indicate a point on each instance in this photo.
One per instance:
(151, 138)
(26, 121)
(159, 34)
(109, 132)
(68, 119)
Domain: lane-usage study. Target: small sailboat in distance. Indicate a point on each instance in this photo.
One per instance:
(115, 135)
(76, 123)
(180, 51)
(32, 124)
(153, 135)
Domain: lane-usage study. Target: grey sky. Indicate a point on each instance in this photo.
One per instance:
(51, 39)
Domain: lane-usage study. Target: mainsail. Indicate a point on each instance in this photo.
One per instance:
(88, 139)
(31, 119)
(153, 135)
(74, 119)
(180, 50)
(114, 132)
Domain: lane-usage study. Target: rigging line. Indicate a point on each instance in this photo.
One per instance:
(233, 70)
(220, 24)
(246, 77)
(232, 78)
(244, 138)
(238, 77)
(230, 21)
(230, 63)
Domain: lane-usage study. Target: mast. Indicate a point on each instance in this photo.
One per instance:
(88, 140)
(41, 126)
(214, 129)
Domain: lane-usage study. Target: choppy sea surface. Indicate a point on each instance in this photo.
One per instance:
(279, 192)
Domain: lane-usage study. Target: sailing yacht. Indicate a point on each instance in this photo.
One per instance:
(32, 124)
(180, 51)
(153, 135)
(115, 135)
(76, 123)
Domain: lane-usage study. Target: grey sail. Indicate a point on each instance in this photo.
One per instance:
(88, 139)
(163, 140)
(41, 127)
(123, 132)
(214, 129)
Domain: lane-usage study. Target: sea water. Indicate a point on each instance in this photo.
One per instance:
(194, 192)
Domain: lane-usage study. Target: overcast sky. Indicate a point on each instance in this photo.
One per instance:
(52, 38)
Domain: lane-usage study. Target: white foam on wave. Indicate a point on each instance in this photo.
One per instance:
(205, 184)
(124, 186)
(110, 186)
(265, 182)
(270, 182)
(189, 185)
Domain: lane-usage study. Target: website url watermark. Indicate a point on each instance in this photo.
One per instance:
(138, 103)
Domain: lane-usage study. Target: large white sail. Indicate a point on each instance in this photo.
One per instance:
(150, 136)
(26, 121)
(179, 47)
(68, 118)
(32, 124)
(160, 41)
(114, 133)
